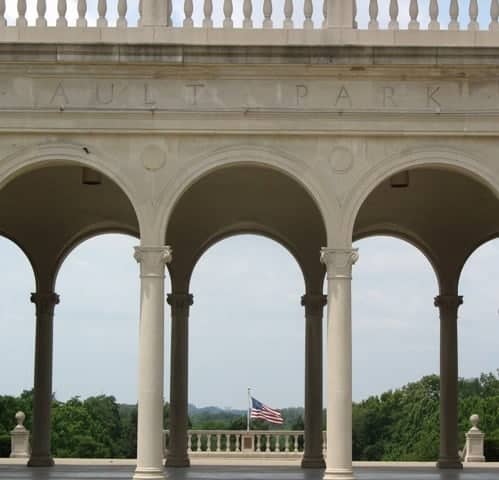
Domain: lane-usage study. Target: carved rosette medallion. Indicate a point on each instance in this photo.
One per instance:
(314, 304)
(45, 302)
(339, 262)
(152, 260)
(341, 160)
(153, 158)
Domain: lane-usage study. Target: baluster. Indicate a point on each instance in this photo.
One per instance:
(188, 10)
(121, 22)
(267, 13)
(82, 13)
(219, 439)
(454, 14)
(297, 442)
(208, 442)
(277, 446)
(267, 441)
(189, 442)
(21, 11)
(288, 14)
(394, 15)
(62, 8)
(286, 443)
(434, 12)
(248, 12)
(308, 11)
(228, 9)
(227, 442)
(373, 14)
(3, 21)
(208, 12)
(102, 10)
(41, 8)
(257, 443)
(413, 13)
(494, 15)
(473, 10)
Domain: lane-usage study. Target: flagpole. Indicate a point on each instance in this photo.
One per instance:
(249, 410)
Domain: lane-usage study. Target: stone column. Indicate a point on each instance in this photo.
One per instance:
(41, 455)
(151, 362)
(314, 306)
(448, 306)
(177, 450)
(339, 362)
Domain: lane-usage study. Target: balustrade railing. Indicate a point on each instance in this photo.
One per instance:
(265, 442)
(362, 18)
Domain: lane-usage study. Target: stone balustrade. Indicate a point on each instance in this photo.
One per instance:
(238, 22)
(231, 442)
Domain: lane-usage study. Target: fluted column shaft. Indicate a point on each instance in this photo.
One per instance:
(314, 306)
(448, 306)
(177, 452)
(152, 262)
(339, 362)
(41, 455)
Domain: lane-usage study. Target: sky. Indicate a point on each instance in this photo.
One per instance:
(278, 5)
(246, 325)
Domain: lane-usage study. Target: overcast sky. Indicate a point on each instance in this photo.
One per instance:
(247, 325)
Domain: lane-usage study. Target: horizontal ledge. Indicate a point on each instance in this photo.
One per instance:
(249, 36)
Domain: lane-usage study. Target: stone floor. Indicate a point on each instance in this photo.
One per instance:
(208, 472)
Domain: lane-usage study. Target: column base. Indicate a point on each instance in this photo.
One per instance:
(450, 463)
(40, 462)
(338, 474)
(313, 462)
(145, 473)
(178, 462)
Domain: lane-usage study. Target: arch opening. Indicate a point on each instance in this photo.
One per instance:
(441, 210)
(245, 199)
(238, 300)
(395, 348)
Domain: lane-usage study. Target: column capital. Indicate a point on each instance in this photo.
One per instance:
(448, 301)
(152, 260)
(45, 302)
(339, 262)
(180, 300)
(314, 303)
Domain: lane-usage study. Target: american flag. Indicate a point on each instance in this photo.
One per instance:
(259, 410)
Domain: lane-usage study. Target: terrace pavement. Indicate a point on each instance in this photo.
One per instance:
(234, 469)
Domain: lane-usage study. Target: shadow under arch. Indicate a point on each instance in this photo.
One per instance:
(43, 155)
(245, 155)
(411, 159)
